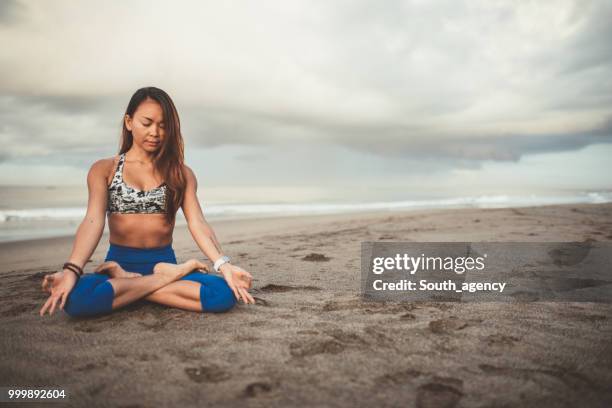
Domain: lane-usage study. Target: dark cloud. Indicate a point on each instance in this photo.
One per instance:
(43, 125)
(218, 128)
(400, 80)
(498, 148)
(51, 126)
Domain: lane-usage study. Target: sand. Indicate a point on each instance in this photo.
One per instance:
(310, 339)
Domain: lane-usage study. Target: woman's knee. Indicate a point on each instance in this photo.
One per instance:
(76, 308)
(98, 301)
(216, 296)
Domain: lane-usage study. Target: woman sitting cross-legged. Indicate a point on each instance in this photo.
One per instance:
(141, 190)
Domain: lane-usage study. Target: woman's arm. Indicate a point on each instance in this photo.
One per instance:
(60, 284)
(238, 279)
(92, 227)
(201, 231)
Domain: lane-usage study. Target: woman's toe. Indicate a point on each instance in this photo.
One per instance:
(100, 267)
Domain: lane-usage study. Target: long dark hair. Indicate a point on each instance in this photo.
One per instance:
(170, 157)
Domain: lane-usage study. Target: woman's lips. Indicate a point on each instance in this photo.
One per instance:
(153, 143)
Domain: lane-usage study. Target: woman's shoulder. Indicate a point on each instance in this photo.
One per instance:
(105, 166)
(187, 169)
(105, 163)
(189, 174)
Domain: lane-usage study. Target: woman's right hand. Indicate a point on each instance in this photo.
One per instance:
(59, 285)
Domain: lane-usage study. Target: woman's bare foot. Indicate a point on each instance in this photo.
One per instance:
(114, 270)
(199, 266)
(175, 272)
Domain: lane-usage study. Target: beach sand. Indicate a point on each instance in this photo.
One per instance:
(310, 339)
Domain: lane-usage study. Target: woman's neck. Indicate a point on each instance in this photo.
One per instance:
(135, 154)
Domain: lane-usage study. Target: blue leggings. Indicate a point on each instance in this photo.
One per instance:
(93, 294)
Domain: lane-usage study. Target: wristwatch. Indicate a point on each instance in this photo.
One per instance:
(223, 260)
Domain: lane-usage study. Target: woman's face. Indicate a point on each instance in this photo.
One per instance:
(147, 125)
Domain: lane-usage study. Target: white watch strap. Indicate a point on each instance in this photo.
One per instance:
(223, 260)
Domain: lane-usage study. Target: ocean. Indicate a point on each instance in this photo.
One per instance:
(51, 211)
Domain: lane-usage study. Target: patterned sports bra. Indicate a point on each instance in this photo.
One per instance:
(127, 200)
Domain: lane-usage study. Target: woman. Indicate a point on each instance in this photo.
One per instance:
(140, 262)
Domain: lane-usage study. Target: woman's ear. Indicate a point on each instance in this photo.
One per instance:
(128, 122)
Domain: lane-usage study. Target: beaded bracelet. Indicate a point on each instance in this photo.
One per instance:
(74, 268)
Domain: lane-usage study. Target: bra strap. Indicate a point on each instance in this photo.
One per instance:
(118, 174)
(120, 166)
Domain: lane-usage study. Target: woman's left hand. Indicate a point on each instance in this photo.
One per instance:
(239, 281)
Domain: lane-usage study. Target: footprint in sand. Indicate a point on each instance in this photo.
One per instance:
(257, 388)
(92, 366)
(437, 395)
(436, 392)
(261, 302)
(501, 340)
(571, 253)
(87, 328)
(207, 374)
(345, 337)
(379, 336)
(311, 348)
(312, 332)
(448, 325)
(314, 257)
(367, 307)
(575, 380)
(272, 288)
(147, 357)
(156, 326)
(400, 377)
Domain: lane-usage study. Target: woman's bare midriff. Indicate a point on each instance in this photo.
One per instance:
(139, 230)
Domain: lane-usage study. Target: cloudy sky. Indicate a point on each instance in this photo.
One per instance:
(440, 95)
